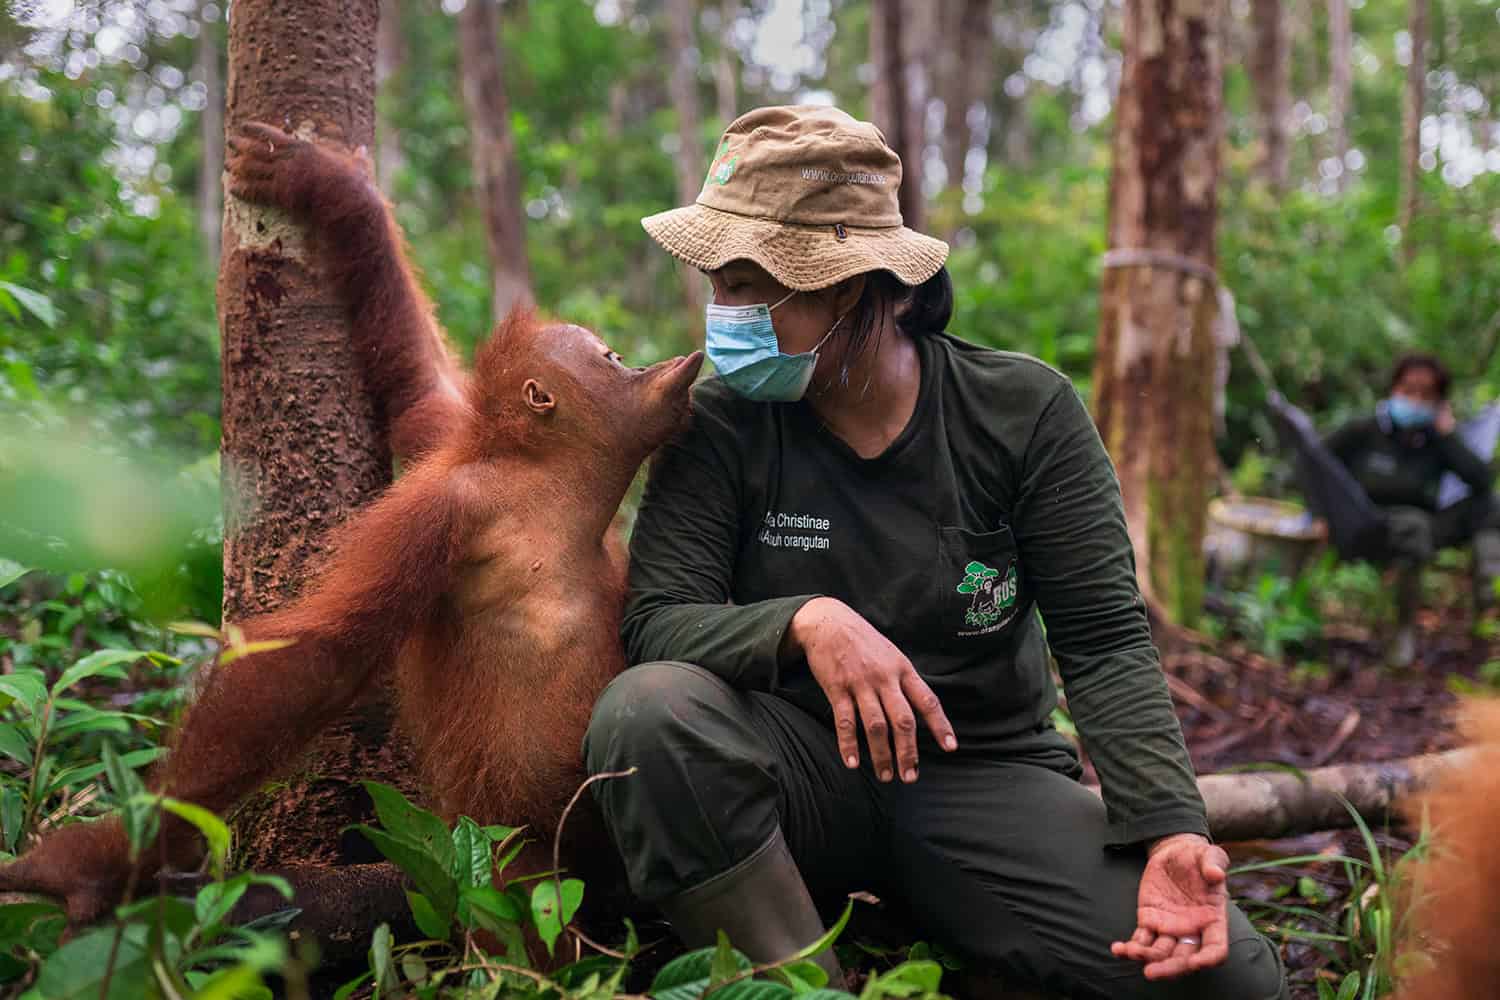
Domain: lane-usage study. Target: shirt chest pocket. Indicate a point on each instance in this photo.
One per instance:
(979, 587)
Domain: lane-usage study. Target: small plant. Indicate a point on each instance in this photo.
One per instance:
(1277, 614)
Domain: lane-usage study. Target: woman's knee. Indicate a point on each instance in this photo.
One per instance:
(650, 706)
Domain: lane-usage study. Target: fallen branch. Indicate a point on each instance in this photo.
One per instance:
(1264, 805)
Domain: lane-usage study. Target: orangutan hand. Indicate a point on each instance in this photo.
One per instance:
(1181, 912)
(271, 167)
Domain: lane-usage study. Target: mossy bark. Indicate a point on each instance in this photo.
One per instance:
(1154, 368)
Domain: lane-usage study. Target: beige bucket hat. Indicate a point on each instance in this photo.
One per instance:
(809, 194)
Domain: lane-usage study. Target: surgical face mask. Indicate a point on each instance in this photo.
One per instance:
(1410, 415)
(741, 342)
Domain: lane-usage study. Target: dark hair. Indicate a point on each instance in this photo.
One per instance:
(1420, 360)
(918, 310)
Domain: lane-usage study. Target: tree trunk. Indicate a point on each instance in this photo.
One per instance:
(211, 134)
(894, 105)
(300, 446)
(492, 147)
(965, 58)
(681, 17)
(1271, 70)
(727, 70)
(1411, 131)
(1155, 364)
(1340, 80)
(390, 55)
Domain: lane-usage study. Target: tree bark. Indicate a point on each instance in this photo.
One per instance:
(211, 134)
(300, 445)
(727, 70)
(1340, 80)
(492, 147)
(390, 55)
(894, 106)
(964, 60)
(1155, 363)
(683, 30)
(1271, 70)
(1411, 130)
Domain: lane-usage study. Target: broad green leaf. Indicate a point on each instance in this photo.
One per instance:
(347, 990)
(14, 744)
(91, 721)
(406, 821)
(545, 913)
(28, 687)
(215, 900)
(381, 963)
(471, 853)
(494, 902)
(11, 571)
(725, 964)
(33, 302)
(12, 968)
(499, 834)
(428, 921)
(434, 879)
(239, 982)
(754, 989)
(77, 970)
(88, 772)
(17, 919)
(908, 979)
(689, 968)
(103, 661)
(214, 829)
(802, 977)
(413, 968)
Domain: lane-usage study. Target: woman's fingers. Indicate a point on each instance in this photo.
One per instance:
(1174, 963)
(1214, 949)
(903, 731)
(927, 705)
(846, 728)
(877, 731)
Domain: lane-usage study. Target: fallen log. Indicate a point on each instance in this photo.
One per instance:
(1264, 805)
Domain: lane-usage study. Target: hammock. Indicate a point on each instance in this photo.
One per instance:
(1355, 525)
(1480, 433)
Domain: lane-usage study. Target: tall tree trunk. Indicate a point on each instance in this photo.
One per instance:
(211, 134)
(1340, 80)
(493, 148)
(300, 444)
(964, 64)
(1154, 368)
(683, 29)
(1271, 70)
(1411, 131)
(390, 55)
(893, 104)
(727, 70)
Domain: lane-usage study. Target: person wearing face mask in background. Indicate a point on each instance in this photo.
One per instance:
(841, 679)
(1399, 456)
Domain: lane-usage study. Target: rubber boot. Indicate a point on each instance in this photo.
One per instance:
(1486, 568)
(761, 903)
(1403, 651)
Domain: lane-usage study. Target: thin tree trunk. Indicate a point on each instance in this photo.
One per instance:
(727, 69)
(1340, 80)
(211, 134)
(1411, 131)
(1155, 363)
(492, 147)
(965, 61)
(1271, 70)
(390, 55)
(894, 104)
(300, 448)
(681, 17)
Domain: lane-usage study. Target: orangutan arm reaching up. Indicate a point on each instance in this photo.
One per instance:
(406, 360)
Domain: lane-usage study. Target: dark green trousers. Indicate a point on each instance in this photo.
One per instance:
(999, 856)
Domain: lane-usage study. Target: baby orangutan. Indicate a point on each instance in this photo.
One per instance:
(482, 577)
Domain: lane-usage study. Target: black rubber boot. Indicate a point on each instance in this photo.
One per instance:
(761, 903)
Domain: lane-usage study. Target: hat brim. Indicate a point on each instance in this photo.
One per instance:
(803, 258)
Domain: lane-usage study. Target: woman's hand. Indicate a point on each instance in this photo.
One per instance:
(1182, 923)
(867, 679)
(1445, 422)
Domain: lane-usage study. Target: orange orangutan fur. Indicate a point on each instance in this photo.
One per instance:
(488, 577)
(1452, 945)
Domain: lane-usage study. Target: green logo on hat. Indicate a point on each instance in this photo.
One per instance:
(722, 169)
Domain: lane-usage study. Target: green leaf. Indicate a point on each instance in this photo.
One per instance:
(33, 302)
(347, 990)
(493, 902)
(499, 834)
(755, 989)
(409, 822)
(27, 687)
(381, 962)
(471, 851)
(14, 744)
(908, 979)
(91, 721)
(88, 772)
(545, 909)
(103, 661)
(77, 970)
(434, 879)
(214, 829)
(802, 977)
(215, 900)
(239, 982)
(428, 921)
(413, 968)
(685, 969)
(11, 571)
(725, 964)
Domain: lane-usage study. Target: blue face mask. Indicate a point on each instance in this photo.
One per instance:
(1409, 415)
(741, 342)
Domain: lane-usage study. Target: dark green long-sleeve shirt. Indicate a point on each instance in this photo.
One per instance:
(1400, 468)
(996, 501)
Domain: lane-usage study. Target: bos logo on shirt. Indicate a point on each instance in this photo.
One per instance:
(993, 597)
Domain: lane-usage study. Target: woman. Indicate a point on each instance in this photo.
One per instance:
(834, 584)
(1400, 456)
